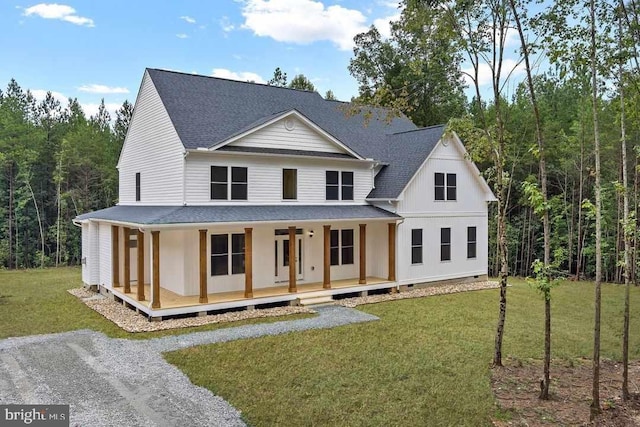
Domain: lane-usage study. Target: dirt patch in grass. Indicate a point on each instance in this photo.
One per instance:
(516, 387)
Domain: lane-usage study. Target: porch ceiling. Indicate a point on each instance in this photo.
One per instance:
(172, 215)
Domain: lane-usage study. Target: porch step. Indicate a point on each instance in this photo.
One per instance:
(315, 301)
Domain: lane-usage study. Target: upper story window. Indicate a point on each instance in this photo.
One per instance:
(137, 186)
(416, 246)
(339, 185)
(445, 186)
(341, 247)
(445, 244)
(471, 242)
(289, 184)
(220, 183)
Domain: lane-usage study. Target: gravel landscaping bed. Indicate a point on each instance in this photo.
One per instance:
(131, 321)
(419, 293)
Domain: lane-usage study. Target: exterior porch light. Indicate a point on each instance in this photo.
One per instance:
(311, 233)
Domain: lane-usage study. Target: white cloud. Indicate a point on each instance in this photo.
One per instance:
(182, 36)
(384, 24)
(485, 75)
(242, 75)
(303, 21)
(41, 94)
(58, 11)
(226, 25)
(188, 19)
(91, 109)
(96, 88)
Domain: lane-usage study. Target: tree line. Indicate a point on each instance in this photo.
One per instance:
(561, 152)
(55, 163)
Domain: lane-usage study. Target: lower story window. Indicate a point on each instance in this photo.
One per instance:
(445, 244)
(221, 248)
(416, 246)
(341, 247)
(471, 242)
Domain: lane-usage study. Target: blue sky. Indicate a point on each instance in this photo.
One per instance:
(95, 49)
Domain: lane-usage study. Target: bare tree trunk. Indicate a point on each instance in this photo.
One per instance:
(12, 256)
(59, 201)
(626, 232)
(580, 198)
(35, 203)
(595, 404)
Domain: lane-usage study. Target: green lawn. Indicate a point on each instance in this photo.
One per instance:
(426, 362)
(37, 302)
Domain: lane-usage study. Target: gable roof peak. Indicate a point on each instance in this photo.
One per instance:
(248, 82)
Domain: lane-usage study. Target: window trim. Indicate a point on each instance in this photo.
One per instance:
(445, 187)
(229, 254)
(444, 244)
(473, 242)
(340, 185)
(340, 247)
(229, 184)
(138, 187)
(415, 245)
(295, 183)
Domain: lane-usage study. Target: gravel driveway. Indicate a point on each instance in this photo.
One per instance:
(117, 382)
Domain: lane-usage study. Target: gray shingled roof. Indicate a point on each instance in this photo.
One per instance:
(156, 215)
(206, 111)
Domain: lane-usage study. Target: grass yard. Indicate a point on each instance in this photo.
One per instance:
(426, 362)
(37, 302)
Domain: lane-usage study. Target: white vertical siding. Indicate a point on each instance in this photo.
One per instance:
(153, 148)
(420, 210)
(432, 269)
(105, 254)
(265, 178)
(299, 137)
(172, 265)
(419, 196)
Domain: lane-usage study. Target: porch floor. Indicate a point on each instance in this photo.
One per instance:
(169, 299)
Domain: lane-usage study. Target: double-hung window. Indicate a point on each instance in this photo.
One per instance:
(341, 247)
(416, 246)
(445, 244)
(339, 185)
(445, 186)
(289, 184)
(471, 242)
(221, 247)
(223, 186)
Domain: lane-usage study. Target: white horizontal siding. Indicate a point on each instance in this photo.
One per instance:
(105, 254)
(153, 148)
(300, 137)
(265, 178)
(86, 250)
(419, 196)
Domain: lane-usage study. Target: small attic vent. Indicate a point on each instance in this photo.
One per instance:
(289, 124)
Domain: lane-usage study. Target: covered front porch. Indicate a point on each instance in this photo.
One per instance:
(219, 266)
(173, 303)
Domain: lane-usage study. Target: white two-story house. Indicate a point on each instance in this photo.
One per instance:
(236, 194)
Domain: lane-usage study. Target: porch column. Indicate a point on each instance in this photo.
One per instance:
(248, 262)
(203, 267)
(363, 254)
(127, 261)
(292, 259)
(392, 252)
(326, 281)
(140, 266)
(115, 256)
(155, 237)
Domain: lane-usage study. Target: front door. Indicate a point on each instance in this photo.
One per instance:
(282, 258)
